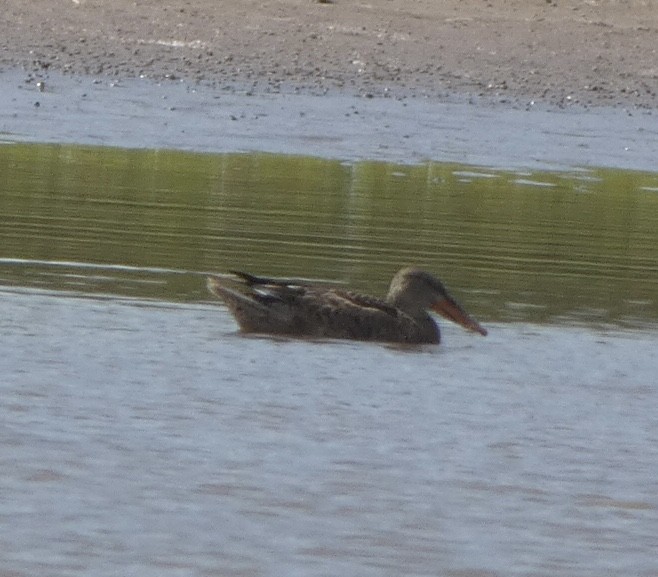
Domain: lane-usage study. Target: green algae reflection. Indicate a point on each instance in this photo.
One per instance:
(540, 247)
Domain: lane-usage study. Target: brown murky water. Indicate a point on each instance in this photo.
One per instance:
(142, 435)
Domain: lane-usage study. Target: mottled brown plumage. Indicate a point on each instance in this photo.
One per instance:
(283, 307)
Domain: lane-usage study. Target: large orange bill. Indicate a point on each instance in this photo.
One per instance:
(451, 310)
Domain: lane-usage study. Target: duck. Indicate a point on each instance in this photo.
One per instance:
(299, 309)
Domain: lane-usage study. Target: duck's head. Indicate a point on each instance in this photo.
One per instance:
(416, 291)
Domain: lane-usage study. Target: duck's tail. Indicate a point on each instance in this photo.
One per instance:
(252, 311)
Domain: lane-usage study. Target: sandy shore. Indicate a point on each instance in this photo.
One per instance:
(555, 52)
(558, 84)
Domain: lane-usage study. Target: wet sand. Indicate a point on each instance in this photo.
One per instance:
(551, 85)
(558, 52)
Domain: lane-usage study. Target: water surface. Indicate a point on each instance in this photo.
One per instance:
(142, 435)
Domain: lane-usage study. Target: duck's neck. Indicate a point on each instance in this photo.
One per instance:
(407, 305)
(427, 329)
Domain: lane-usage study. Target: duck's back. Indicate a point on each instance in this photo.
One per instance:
(333, 313)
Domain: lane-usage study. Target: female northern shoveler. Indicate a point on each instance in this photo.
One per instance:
(282, 307)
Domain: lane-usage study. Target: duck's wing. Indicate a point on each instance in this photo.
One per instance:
(287, 288)
(335, 313)
(356, 301)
